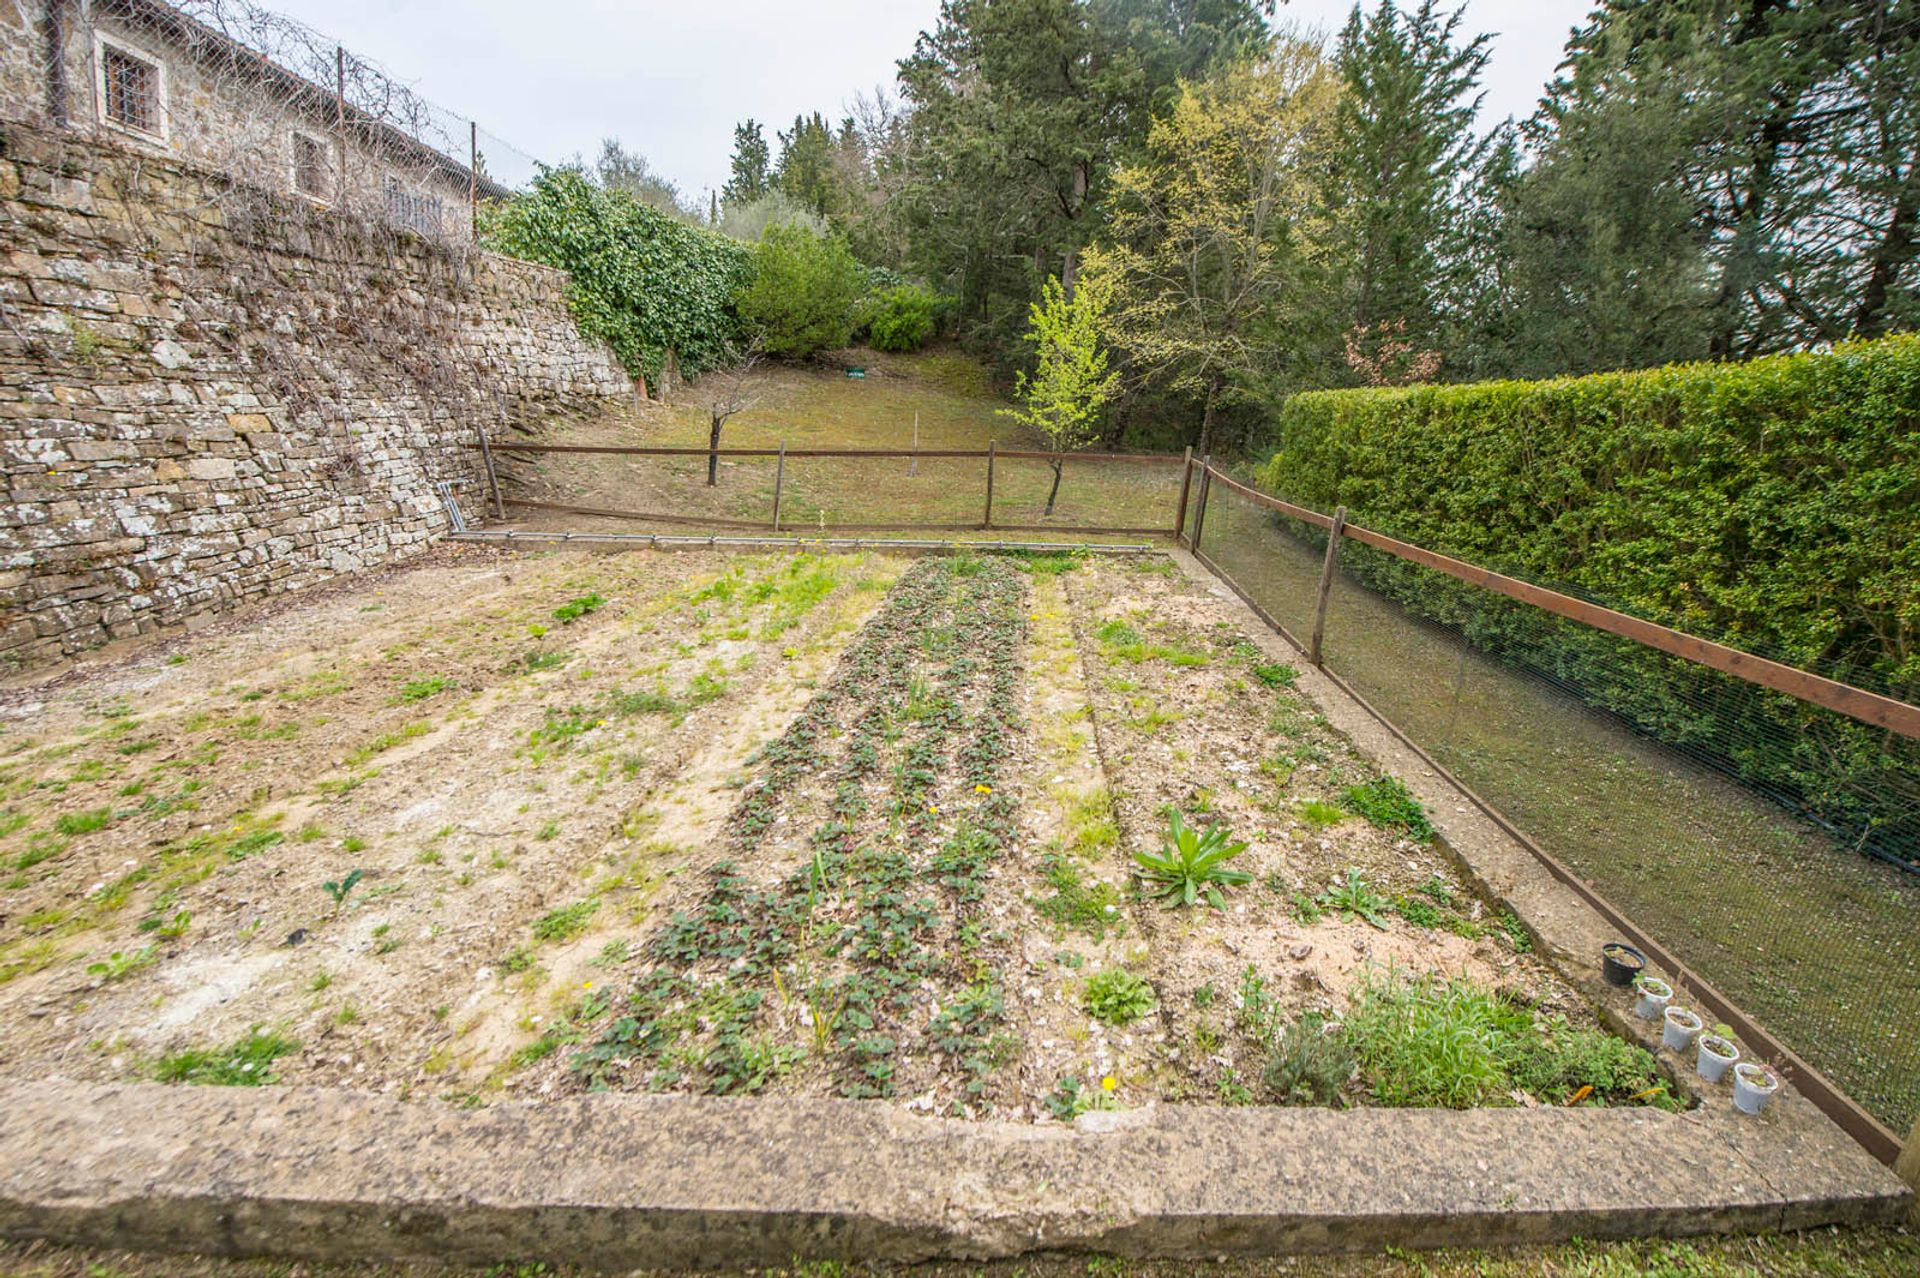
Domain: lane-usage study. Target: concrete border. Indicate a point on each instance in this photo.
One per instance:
(623, 1181)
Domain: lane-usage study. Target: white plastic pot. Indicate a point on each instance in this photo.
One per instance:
(1753, 1087)
(1655, 994)
(1710, 1064)
(1681, 1028)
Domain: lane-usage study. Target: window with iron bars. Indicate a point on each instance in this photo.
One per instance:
(130, 87)
(310, 166)
(415, 210)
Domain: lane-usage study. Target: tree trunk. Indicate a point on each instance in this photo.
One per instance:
(713, 450)
(1055, 490)
(1897, 248)
(1205, 448)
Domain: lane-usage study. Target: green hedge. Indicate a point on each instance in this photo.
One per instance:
(643, 281)
(1774, 505)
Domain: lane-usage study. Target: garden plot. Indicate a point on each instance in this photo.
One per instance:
(339, 841)
(929, 889)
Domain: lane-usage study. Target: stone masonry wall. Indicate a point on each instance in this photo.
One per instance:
(209, 395)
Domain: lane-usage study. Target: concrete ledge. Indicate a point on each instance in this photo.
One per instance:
(619, 1181)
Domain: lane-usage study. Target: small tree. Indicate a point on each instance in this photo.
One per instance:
(805, 290)
(722, 393)
(1071, 383)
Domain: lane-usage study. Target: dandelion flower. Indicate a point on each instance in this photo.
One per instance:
(1109, 1083)
(983, 789)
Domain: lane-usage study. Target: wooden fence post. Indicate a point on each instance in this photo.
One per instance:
(1327, 567)
(779, 478)
(493, 480)
(987, 520)
(1200, 501)
(1186, 482)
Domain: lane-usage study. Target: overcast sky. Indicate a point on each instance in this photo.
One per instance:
(670, 78)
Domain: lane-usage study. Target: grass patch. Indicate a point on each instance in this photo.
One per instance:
(566, 922)
(1388, 804)
(247, 1063)
(1090, 908)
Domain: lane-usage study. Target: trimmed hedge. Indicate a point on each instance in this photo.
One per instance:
(1774, 505)
(641, 280)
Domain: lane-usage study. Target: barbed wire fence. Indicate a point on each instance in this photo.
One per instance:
(268, 102)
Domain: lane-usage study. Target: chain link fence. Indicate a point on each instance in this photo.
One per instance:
(263, 103)
(1769, 844)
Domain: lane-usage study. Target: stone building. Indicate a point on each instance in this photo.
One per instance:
(166, 80)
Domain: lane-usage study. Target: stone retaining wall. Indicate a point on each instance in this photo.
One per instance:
(209, 395)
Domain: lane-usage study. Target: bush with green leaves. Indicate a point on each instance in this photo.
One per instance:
(804, 295)
(902, 318)
(1772, 503)
(1191, 864)
(643, 281)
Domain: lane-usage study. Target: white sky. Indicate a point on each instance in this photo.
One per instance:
(670, 78)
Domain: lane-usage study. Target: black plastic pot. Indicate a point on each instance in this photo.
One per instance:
(1615, 970)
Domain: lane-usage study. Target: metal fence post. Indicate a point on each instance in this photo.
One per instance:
(1327, 567)
(779, 479)
(1908, 1169)
(1186, 483)
(1200, 500)
(987, 520)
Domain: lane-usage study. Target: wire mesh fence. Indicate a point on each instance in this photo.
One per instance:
(263, 103)
(1764, 841)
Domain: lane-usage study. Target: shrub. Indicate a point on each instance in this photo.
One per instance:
(903, 318)
(804, 291)
(1773, 503)
(646, 283)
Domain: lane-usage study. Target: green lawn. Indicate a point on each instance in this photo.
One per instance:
(946, 392)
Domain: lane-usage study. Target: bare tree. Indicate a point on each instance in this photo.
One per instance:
(723, 392)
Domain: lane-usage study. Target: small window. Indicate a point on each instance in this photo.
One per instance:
(310, 175)
(130, 88)
(412, 209)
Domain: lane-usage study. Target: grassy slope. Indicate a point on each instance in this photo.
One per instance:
(823, 408)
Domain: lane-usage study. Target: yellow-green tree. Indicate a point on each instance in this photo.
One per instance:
(1218, 228)
(1071, 382)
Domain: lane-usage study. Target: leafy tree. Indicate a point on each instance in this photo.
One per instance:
(1071, 383)
(1407, 151)
(751, 178)
(619, 169)
(804, 292)
(1216, 227)
(750, 221)
(1019, 110)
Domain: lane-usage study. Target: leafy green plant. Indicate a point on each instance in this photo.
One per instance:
(1117, 996)
(420, 689)
(247, 1063)
(1318, 813)
(339, 888)
(1071, 1098)
(574, 609)
(1387, 803)
(647, 283)
(119, 965)
(1418, 912)
(1191, 864)
(1090, 908)
(1355, 898)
